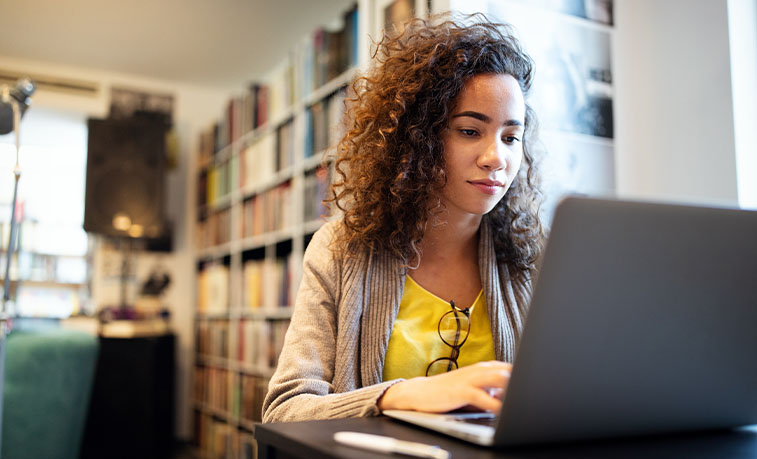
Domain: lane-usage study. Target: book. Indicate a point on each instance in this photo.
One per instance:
(283, 281)
(307, 148)
(319, 127)
(280, 93)
(335, 119)
(316, 184)
(253, 284)
(351, 21)
(261, 109)
(213, 289)
(259, 160)
(335, 54)
(214, 229)
(285, 146)
(307, 64)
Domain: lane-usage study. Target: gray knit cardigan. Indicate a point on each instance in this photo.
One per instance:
(332, 362)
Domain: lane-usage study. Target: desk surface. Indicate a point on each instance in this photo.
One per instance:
(314, 439)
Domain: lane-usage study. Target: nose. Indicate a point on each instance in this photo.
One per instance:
(494, 156)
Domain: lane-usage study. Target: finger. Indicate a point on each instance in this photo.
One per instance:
(492, 378)
(494, 364)
(496, 392)
(482, 400)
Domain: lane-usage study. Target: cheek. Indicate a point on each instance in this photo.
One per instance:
(515, 162)
(454, 160)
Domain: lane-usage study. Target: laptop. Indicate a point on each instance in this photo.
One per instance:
(643, 321)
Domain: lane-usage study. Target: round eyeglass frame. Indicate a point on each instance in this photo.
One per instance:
(452, 359)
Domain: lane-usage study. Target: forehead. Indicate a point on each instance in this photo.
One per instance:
(493, 94)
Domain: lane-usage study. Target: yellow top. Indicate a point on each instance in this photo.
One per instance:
(415, 341)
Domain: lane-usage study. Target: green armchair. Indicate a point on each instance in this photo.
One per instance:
(48, 382)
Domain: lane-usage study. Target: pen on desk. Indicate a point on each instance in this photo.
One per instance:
(390, 445)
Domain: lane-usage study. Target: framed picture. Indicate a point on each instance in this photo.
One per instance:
(599, 11)
(573, 86)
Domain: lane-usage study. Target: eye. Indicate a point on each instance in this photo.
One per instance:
(468, 132)
(510, 139)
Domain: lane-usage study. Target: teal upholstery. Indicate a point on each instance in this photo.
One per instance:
(48, 381)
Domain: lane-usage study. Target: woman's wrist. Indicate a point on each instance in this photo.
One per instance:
(394, 398)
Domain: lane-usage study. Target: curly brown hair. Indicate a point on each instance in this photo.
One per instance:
(390, 167)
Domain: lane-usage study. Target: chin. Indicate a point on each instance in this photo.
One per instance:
(484, 209)
(493, 204)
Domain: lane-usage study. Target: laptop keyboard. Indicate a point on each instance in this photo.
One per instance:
(491, 422)
(482, 419)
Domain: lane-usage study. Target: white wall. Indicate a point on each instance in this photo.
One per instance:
(195, 108)
(673, 106)
(742, 20)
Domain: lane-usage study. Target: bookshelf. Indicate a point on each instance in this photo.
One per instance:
(260, 179)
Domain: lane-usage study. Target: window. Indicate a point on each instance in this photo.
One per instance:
(51, 263)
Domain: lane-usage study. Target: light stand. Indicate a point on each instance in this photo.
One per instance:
(18, 100)
(4, 315)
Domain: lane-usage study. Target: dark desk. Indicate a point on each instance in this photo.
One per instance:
(314, 439)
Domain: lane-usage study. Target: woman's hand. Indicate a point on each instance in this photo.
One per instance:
(479, 385)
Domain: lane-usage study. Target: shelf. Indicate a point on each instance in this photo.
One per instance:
(212, 361)
(254, 370)
(252, 136)
(3, 252)
(312, 162)
(249, 425)
(312, 226)
(223, 414)
(266, 239)
(332, 86)
(267, 314)
(256, 242)
(264, 268)
(48, 284)
(277, 179)
(278, 313)
(218, 251)
(224, 154)
(219, 204)
(204, 164)
(213, 315)
(232, 365)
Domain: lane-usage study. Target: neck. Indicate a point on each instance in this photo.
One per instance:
(451, 240)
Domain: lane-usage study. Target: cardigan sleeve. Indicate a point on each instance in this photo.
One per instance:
(301, 387)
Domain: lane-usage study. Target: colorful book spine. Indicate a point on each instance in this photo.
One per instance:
(213, 289)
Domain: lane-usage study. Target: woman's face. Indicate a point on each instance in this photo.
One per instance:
(483, 144)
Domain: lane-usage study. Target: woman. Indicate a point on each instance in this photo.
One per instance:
(415, 299)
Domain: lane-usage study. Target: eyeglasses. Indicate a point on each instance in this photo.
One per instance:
(453, 328)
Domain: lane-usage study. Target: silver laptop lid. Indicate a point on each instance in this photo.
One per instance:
(643, 320)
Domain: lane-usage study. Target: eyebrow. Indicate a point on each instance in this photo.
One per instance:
(485, 118)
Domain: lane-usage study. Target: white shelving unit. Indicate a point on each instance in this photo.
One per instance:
(222, 380)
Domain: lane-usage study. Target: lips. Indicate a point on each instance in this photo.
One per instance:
(486, 186)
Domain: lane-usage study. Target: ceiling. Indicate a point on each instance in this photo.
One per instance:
(216, 43)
